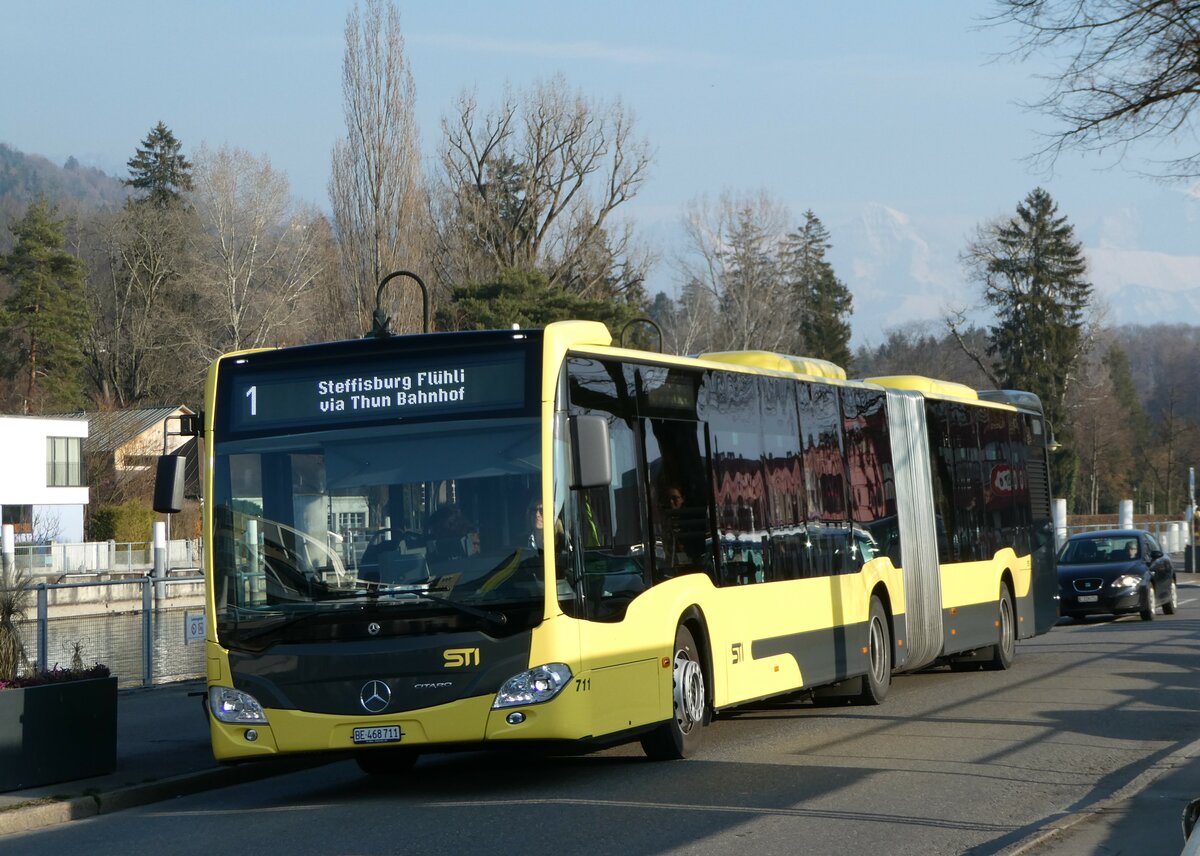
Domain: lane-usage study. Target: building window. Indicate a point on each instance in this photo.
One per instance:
(19, 517)
(64, 462)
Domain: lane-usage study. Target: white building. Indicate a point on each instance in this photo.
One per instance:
(43, 490)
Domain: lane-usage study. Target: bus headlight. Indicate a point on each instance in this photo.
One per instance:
(533, 686)
(230, 705)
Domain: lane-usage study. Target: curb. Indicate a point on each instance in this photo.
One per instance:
(1141, 782)
(48, 812)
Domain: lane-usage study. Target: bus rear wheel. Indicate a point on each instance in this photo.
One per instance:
(679, 737)
(1006, 646)
(878, 678)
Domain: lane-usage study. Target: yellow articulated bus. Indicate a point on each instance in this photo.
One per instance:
(429, 542)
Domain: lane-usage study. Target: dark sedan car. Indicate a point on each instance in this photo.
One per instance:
(1115, 572)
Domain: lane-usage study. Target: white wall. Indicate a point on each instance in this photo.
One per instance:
(23, 470)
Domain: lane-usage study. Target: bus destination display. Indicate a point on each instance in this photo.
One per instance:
(338, 393)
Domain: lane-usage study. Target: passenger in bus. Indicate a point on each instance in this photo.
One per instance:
(451, 534)
(537, 522)
(683, 528)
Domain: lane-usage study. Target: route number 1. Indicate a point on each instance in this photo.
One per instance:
(252, 394)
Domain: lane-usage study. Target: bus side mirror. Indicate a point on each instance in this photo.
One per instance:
(590, 464)
(168, 484)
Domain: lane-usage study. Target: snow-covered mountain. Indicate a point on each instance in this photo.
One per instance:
(896, 273)
(902, 271)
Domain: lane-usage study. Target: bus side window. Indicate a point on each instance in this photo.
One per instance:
(739, 478)
(608, 522)
(676, 468)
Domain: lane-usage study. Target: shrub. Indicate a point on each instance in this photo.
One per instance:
(56, 676)
(16, 596)
(129, 521)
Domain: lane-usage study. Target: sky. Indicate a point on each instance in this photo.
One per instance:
(898, 123)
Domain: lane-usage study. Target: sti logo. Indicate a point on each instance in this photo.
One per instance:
(457, 658)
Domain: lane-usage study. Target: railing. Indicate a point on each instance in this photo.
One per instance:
(1171, 535)
(102, 557)
(146, 631)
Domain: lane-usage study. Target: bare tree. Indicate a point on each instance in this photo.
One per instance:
(533, 185)
(1131, 74)
(257, 258)
(733, 253)
(380, 209)
(136, 258)
(920, 348)
(1103, 435)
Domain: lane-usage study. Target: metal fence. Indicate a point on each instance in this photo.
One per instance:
(147, 631)
(96, 557)
(1171, 535)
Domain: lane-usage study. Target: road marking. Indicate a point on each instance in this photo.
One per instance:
(733, 809)
(218, 811)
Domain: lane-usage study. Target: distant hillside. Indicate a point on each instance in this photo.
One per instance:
(23, 178)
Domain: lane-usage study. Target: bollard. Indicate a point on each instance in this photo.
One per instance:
(160, 562)
(1125, 514)
(1059, 513)
(8, 546)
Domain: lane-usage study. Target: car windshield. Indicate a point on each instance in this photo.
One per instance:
(431, 519)
(1096, 550)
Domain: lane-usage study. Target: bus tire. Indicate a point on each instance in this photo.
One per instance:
(1006, 646)
(679, 737)
(385, 762)
(878, 678)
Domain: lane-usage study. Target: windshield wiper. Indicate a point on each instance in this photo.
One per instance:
(497, 618)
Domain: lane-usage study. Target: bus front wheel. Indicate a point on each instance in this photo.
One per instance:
(679, 737)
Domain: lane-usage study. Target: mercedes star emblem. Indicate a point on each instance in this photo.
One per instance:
(375, 696)
(373, 628)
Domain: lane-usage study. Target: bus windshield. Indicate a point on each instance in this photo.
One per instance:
(430, 519)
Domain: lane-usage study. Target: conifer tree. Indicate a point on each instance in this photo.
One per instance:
(159, 169)
(1033, 274)
(822, 302)
(45, 317)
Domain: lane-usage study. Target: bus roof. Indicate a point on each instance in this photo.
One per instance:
(927, 386)
(810, 366)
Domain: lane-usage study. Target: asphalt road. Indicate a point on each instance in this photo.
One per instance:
(952, 763)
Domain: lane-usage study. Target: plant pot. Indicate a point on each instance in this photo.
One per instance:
(57, 732)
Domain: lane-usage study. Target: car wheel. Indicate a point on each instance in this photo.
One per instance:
(680, 736)
(1147, 610)
(1172, 602)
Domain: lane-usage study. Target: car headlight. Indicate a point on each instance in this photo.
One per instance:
(230, 705)
(1127, 581)
(533, 686)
